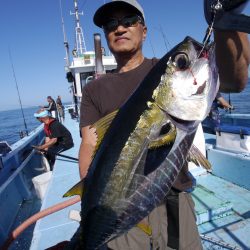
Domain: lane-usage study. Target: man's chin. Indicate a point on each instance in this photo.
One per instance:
(123, 52)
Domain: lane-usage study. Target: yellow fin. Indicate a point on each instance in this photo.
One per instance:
(77, 189)
(198, 158)
(102, 126)
(145, 228)
(163, 139)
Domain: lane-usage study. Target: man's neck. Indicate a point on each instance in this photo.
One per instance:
(48, 120)
(127, 63)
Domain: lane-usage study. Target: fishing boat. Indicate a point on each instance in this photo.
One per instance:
(222, 197)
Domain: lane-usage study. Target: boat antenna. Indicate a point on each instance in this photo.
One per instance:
(80, 42)
(20, 102)
(65, 41)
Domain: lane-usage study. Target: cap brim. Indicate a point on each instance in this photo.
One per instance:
(44, 113)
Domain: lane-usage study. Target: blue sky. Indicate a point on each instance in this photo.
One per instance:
(32, 30)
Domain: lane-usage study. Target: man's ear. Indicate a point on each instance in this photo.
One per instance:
(145, 29)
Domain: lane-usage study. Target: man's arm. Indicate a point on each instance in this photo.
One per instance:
(47, 144)
(223, 103)
(87, 147)
(233, 58)
(48, 107)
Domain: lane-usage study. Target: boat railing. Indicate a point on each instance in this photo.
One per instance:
(21, 150)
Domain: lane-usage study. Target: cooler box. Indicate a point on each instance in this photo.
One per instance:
(41, 183)
(234, 138)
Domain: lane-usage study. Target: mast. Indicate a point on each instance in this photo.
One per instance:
(80, 42)
(65, 41)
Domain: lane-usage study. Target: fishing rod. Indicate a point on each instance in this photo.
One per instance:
(58, 154)
(167, 46)
(20, 102)
(229, 101)
(152, 47)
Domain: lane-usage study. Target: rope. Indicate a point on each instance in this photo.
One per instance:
(36, 217)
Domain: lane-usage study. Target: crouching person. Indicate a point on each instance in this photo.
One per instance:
(58, 138)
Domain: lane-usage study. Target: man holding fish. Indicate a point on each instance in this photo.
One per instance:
(171, 225)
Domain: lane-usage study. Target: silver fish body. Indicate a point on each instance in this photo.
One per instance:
(179, 90)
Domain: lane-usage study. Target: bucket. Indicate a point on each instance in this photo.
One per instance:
(41, 183)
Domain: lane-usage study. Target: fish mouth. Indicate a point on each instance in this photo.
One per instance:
(182, 124)
(200, 90)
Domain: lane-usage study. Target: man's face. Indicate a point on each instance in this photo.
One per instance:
(125, 40)
(40, 119)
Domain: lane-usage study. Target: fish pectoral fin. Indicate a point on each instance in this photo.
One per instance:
(164, 139)
(77, 189)
(102, 126)
(198, 158)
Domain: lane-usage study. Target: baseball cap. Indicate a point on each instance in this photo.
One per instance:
(41, 114)
(102, 14)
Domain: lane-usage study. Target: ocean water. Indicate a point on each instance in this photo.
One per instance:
(11, 121)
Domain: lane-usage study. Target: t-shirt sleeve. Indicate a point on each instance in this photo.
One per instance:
(89, 113)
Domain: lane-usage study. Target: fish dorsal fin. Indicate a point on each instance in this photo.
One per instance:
(102, 126)
(77, 189)
(198, 158)
(164, 139)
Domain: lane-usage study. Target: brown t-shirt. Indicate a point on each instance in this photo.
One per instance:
(109, 92)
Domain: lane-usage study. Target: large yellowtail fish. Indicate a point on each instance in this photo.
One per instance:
(163, 112)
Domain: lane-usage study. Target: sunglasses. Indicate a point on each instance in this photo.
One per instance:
(127, 21)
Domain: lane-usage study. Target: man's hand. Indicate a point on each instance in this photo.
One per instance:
(220, 7)
(38, 149)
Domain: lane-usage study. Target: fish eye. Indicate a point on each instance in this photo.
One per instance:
(181, 61)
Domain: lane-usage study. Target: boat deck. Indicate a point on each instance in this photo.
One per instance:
(223, 211)
(222, 208)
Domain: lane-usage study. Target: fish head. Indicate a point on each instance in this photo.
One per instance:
(190, 82)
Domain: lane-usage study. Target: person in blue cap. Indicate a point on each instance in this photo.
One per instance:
(58, 138)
